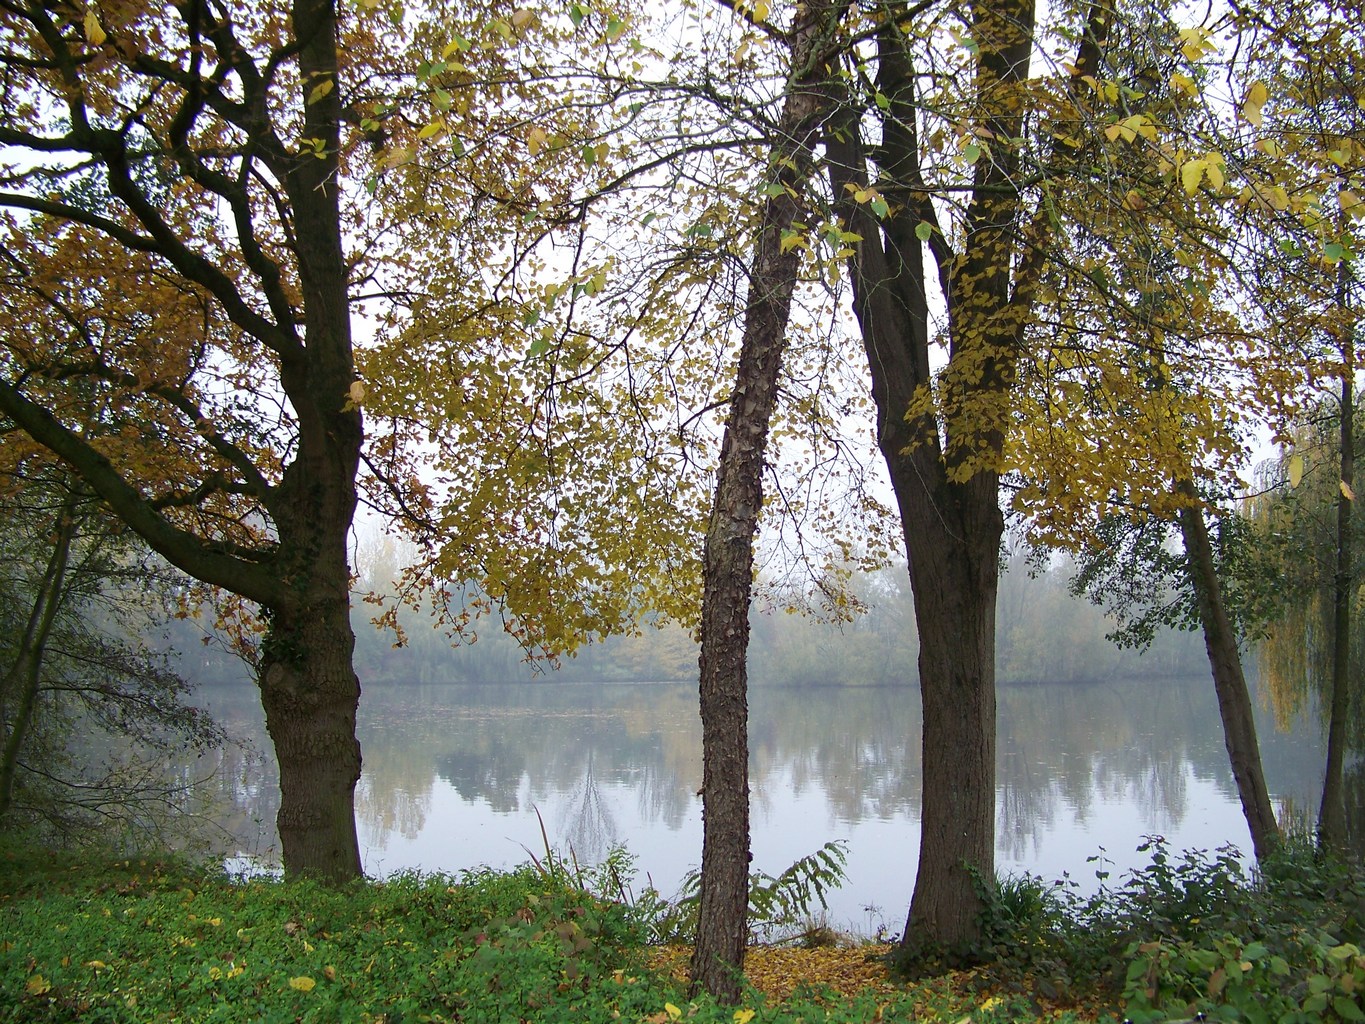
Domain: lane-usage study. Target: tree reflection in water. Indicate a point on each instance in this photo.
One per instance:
(454, 776)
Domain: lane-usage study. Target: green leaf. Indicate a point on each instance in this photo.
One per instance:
(1333, 252)
(538, 347)
(577, 12)
(882, 100)
(924, 230)
(879, 207)
(971, 152)
(1347, 1008)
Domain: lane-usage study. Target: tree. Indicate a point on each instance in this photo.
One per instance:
(943, 439)
(728, 558)
(1311, 168)
(192, 275)
(77, 672)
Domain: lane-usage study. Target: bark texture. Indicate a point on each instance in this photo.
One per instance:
(728, 558)
(1229, 682)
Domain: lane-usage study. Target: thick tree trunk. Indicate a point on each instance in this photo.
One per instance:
(1234, 700)
(943, 462)
(955, 612)
(310, 693)
(1332, 812)
(308, 684)
(722, 923)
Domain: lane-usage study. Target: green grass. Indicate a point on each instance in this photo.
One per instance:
(152, 940)
(148, 939)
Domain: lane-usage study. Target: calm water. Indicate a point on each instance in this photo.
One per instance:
(454, 777)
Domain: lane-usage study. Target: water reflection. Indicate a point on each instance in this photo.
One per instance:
(463, 775)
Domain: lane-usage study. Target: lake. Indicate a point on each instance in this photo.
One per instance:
(459, 776)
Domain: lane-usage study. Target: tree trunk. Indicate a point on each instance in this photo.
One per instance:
(722, 922)
(943, 461)
(955, 612)
(26, 674)
(308, 683)
(1234, 700)
(310, 693)
(1332, 812)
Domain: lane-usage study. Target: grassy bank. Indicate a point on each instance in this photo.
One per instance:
(151, 940)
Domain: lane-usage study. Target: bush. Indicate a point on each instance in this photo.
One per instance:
(1187, 934)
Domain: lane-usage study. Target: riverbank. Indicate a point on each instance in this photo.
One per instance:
(149, 939)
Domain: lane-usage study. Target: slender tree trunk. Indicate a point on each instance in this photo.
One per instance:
(26, 674)
(722, 923)
(1234, 700)
(1332, 812)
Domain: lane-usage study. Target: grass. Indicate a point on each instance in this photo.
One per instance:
(150, 939)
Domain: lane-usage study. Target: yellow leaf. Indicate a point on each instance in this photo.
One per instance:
(330, 973)
(761, 11)
(520, 17)
(1295, 470)
(535, 140)
(303, 984)
(93, 30)
(1195, 42)
(1350, 203)
(320, 90)
(1255, 99)
(673, 1012)
(435, 128)
(38, 986)
(743, 1016)
(1191, 174)
(98, 965)
(1346, 491)
(1185, 84)
(1215, 173)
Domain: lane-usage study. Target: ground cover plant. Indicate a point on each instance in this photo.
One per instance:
(153, 939)
(146, 939)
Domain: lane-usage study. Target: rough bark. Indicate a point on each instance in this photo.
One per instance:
(310, 694)
(722, 929)
(1332, 833)
(1234, 699)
